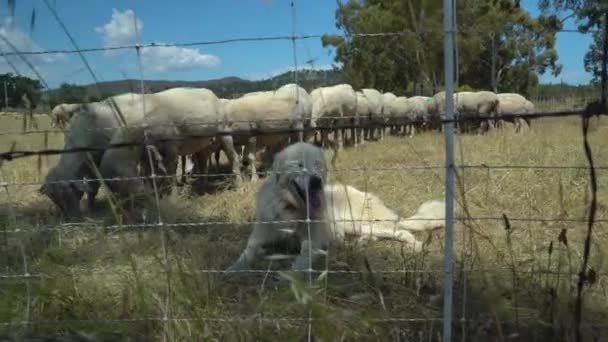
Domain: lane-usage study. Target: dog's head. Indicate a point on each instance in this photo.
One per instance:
(300, 173)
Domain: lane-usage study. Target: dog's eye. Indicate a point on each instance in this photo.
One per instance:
(301, 165)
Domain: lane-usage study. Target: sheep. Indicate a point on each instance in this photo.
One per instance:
(479, 105)
(62, 113)
(178, 121)
(334, 105)
(387, 99)
(396, 111)
(511, 103)
(92, 126)
(418, 112)
(288, 107)
(362, 117)
(376, 109)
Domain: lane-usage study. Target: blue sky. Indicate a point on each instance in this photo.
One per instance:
(97, 23)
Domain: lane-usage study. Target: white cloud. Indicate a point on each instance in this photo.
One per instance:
(23, 42)
(120, 30)
(160, 58)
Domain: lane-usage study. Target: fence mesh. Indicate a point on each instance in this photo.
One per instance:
(529, 222)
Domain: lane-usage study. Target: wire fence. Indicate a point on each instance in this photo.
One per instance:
(520, 233)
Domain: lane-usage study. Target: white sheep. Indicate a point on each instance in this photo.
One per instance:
(376, 109)
(334, 105)
(288, 107)
(178, 121)
(476, 108)
(512, 103)
(387, 99)
(418, 112)
(91, 127)
(363, 117)
(62, 113)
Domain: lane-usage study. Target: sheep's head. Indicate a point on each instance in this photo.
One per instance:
(300, 173)
(64, 192)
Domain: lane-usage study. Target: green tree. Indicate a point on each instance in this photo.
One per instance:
(12, 88)
(499, 45)
(590, 15)
(510, 48)
(593, 58)
(69, 93)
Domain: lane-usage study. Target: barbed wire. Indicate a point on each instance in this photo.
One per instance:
(381, 121)
(374, 169)
(253, 39)
(93, 226)
(220, 131)
(100, 273)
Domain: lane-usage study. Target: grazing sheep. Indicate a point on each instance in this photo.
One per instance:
(288, 107)
(62, 113)
(376, 110)
(530, 109)
(297, 191)
(362, 114)
(396, 111)
(92, 126)
(418, 112)
(387, 99)
(334, 105)
(477, 108)
(178, 121)
(511, 103)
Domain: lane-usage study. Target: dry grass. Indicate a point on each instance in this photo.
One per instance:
(519, 280)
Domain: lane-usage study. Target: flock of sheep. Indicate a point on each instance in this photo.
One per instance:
(153, 130)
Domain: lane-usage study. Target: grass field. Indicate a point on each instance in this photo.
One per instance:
(520, 280)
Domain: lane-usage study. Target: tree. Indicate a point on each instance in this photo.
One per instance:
(16, 87)
(593, 58)
(69, 93)
(500, 46)
(514, 48)
(590, 15)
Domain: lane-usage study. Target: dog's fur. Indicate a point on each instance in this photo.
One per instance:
(295, 199)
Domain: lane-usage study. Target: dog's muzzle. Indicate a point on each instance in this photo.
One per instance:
(309, 189)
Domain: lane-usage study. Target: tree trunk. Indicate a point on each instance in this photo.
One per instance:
(605, 61)
(493, 71)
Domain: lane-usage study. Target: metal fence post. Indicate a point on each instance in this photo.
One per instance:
(448, 59)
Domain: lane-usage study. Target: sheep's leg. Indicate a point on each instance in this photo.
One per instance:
(94, 189)
(324, 137)
(252, 142)
(353, 132)
(228, 146)
(340, 139)
(217, 155)
(172, 182)
(200, 167)
(183, 161)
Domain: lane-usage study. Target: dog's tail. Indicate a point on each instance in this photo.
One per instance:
(430, 215)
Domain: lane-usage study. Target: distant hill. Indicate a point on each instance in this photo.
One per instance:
(227, 87)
